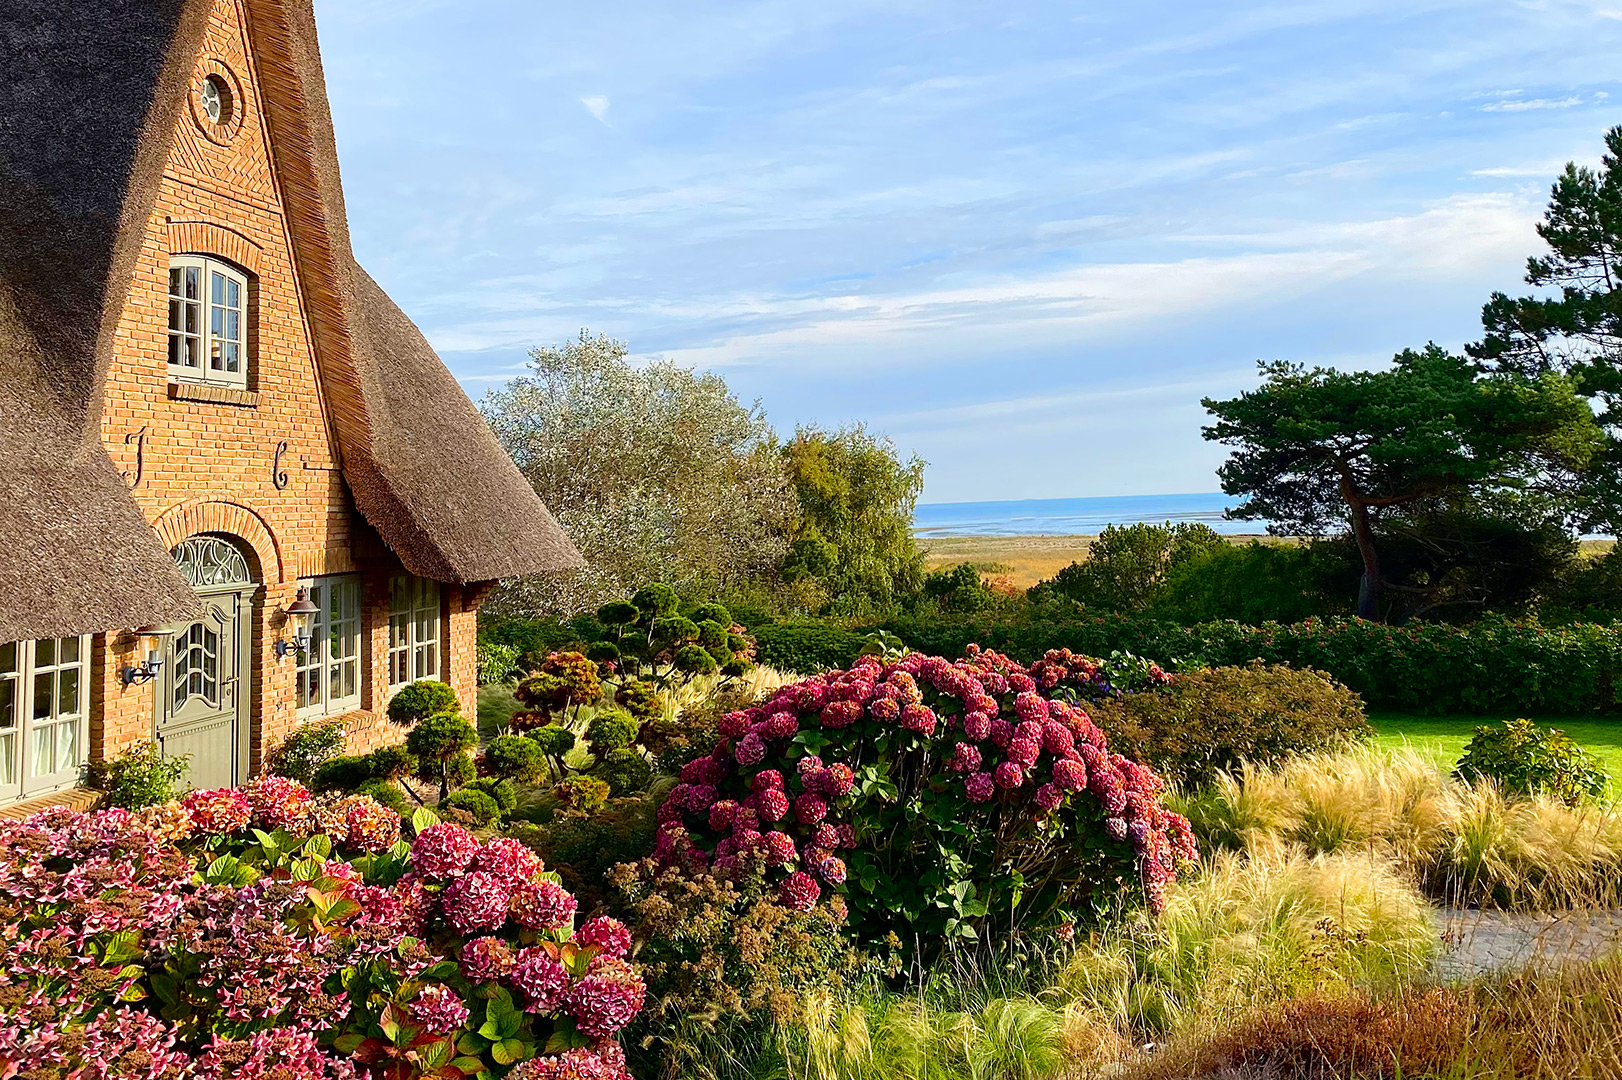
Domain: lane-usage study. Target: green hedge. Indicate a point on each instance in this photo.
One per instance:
(1492, 666)
(807, 647)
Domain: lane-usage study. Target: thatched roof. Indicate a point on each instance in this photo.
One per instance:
(88, 103)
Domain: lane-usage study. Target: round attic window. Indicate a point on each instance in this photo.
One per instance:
(215, 98)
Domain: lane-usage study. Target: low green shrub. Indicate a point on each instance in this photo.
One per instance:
(1525, 759)
(344, 773)
(808, 648)
(583, 845)
(389, 794)
(139, 777)
(515, 757)
(504, 792)
(422, 699)
(440, 745)
(308, 748)
(1255, 583)
(390, 762)
(624, 771)
(479, 804)
(610, 730)
(1209, 720)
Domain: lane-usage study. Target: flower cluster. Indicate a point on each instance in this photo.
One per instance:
(984, 740)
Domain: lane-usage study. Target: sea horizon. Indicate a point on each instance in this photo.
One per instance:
(1076, 517)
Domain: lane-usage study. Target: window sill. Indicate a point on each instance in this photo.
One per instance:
(217, 395)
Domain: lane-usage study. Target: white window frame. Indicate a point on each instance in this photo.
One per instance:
(26, 667)
(339, 598)
(204, 343)
(416, 631)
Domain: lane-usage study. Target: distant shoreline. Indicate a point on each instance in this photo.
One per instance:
(1077, 517)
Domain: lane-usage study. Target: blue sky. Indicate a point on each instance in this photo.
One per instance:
(1021, 238)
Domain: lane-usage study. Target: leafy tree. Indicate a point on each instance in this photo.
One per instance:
(958, 588)
(1127, 564)
(655, 471)
(1575, 326)
(856, 496)
(1317, 449)
(440, 745)
(1256, 582)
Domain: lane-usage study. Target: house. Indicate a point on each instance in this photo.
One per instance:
(240, 491)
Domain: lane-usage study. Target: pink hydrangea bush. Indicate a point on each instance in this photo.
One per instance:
(940, 798)
(179, 942)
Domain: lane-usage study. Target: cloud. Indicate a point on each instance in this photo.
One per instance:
(1533, 103)
(597, 105)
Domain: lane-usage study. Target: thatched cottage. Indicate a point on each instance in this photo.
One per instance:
(240, 491)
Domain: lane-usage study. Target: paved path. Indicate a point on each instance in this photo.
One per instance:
(1476, 942)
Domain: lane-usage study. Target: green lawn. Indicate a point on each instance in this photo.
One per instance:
(1445, 736)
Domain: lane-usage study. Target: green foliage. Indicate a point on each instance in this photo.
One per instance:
(1575, 326)
(497, 663)
(421, 699)
(389, 762)
(440, 745)
(502, 790)
(515, 757)
(1127, 565)
(640, 699)
(477, 804)
(1494, 665)
(856, 499)
(624, 771)
(555, 740)
(1210, 720)
(656, 601)
(806, 647)
(139, 777)
(958, 588)
(654, 471)
(345, 773)
(583, 846)
(1526, 759)
(306, 749)
(1321, 448)
(725, 963)
(389, 794)
(582, 793)
(694, 660)
(654, 643)
(565, 682)
(609, 730)
(1257, 582)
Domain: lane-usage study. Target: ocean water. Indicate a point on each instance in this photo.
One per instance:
(1066, 517)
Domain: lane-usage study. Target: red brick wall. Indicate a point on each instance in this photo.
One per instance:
(262, 466)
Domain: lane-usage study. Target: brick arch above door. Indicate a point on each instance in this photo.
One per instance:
(223, 516)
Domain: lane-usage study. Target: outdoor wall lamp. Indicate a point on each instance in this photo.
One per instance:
(298, 613)
(149, 668)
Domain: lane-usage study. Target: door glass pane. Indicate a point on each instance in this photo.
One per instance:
(8, 656)
(67, 745)
(69, 651)
(45, 652)
(8, 703)
(44, 684)
(8, 759)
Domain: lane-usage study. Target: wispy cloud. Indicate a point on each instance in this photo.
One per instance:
(1532, 104)
(596, 105)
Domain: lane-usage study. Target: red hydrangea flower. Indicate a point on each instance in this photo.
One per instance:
(840, 714)
(847, 834)
(370, 826)
(810, 809)
(443, 850)
(1056, 738)
(721, 815)
(841, 779)
(809, 763)
(979, 787)
(1069, 775)
(486, 958)
(918, 718)
(1008, 775)
(476, 901)
(750, 750)
(700, 797)
(1048, 798)
(773, 805)
(439, 1009)
(542, 905)
(734, 725)
(977, 725)
(780, 725)
(799, 891)
(606, 999)
(779, 848)
(831, 869)
(767, 780)
(826, 836)
(884, 709)
(607, 934)
(1000, 733)
(577, 1064)
(965, 758)
(1023, 752)
(277, 801)
(1107, 786)
(544, 981)
(220, 811)
(509, 860)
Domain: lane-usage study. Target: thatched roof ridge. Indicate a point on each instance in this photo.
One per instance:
(88, 104)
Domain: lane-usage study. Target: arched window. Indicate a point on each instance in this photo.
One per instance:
(208, 321)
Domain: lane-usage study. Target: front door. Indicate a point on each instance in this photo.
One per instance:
(203, 693)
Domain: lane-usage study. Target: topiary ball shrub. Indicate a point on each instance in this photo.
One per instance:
(388, 794)
(1209, 721)
(505, 792)
(611, 729)
(624, 771)
(346, 773)
(1524, 759)
(582, 793)
(390, 763)
(422, 699)
(515, 757)
(480, 805)
(440, 745)
(940, 799)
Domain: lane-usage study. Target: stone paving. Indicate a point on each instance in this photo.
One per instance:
(1478, 942)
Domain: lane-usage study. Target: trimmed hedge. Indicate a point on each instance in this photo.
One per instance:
(1492, 666)
(808, 648)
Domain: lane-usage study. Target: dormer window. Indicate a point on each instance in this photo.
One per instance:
(208, 302)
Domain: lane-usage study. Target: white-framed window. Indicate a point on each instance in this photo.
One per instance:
(329, 670)
(208, 320)
(413, 630)
(44, 709)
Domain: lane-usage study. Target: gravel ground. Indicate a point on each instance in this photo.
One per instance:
(1477, 942)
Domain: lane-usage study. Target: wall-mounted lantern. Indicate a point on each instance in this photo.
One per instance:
(152, 637)
(298, 618)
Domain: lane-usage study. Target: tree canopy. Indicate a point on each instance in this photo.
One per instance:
(657, 472)
(1319, 449)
